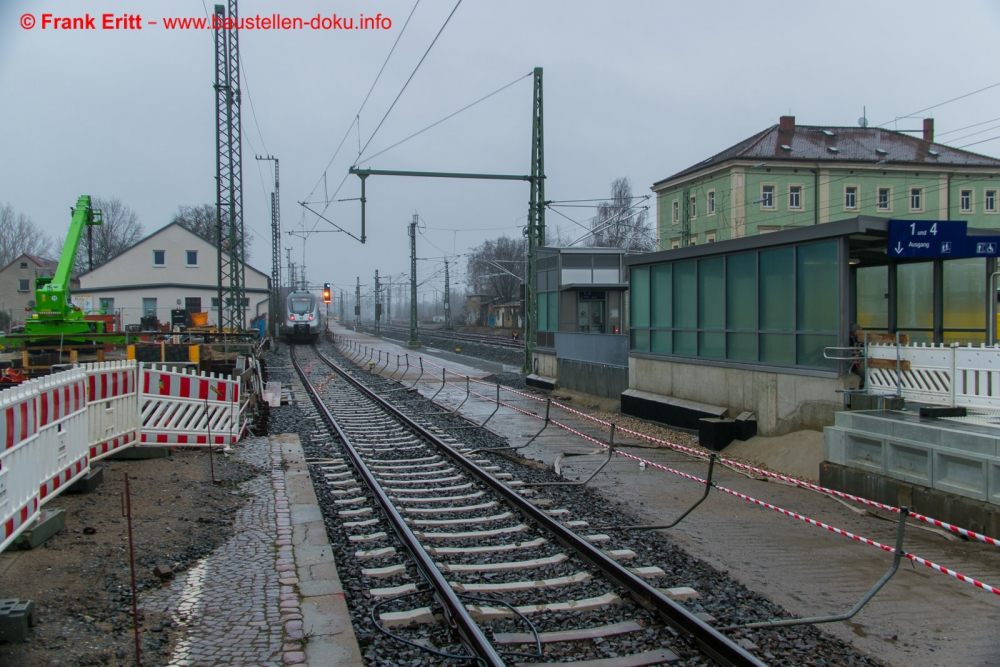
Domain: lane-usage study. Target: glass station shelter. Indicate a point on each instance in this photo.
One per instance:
(734, 322)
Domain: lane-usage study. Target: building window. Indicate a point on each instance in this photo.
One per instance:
(991, 201)
(677, 212)
(192, 257)
(159, 258)
(693, 240)
(711, 202)
(23, 285)
(851, 197)
(795, 196)
(767, 196)
(709, 237)
(884, 196)
(767, 229)
(675, 243)
(694, 207)
(916, 197)
(149, 307)
(24, 265)
(965, 200)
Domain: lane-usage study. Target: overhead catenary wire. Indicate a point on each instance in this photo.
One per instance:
(939, 104)
(357, 116)
(449, 116)
(408, 80)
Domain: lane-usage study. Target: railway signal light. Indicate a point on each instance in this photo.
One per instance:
(326, 292)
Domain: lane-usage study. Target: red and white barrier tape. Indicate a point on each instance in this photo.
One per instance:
(743, 496)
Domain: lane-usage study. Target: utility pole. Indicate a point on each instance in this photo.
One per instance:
(275, 245)
(447, 297)
(341, 307)
(388, 303)
(229, 172)
(357, 306)
(414, 341)
(378, 306)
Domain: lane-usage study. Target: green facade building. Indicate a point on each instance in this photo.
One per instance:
(790, 176)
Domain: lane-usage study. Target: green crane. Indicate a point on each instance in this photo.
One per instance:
(53, 314)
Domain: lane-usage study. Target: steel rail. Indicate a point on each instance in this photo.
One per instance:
(457, 614)
(719, 647)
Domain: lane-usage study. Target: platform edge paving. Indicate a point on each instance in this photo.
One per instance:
(325, 617)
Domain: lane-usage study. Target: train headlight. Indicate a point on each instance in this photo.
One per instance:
(291, 317)
(310, 318)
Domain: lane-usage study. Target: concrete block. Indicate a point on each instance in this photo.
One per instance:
(140, 453)
(909, 462)
(872, 423)
(921, 433)
(834, 443)
(866, 453)
(48, 523)
(993, 482)
(973, 443)
(746, 426)
(16, 616)
(716, 434)
(962, 475)
(88, 483)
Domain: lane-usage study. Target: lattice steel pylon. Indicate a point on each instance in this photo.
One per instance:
(229, 170)
(276, 313)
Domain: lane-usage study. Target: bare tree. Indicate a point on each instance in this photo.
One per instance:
(203, 220)
(19, 234)
(496, 268)
(622, 222)
(120, 229)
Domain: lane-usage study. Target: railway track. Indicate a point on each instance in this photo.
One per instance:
(514, 578)
(484, 339)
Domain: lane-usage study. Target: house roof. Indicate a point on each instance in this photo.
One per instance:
(160, 231)
(42, 262)
(813, 143)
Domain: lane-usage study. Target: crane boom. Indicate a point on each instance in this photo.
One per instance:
(53, 312)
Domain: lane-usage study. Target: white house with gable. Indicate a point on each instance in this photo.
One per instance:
(172, 268)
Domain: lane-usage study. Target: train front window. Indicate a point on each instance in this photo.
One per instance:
(301, 306)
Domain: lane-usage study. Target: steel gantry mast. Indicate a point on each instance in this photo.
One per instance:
(275, 246)
(378, 306)
(229, 170)
(414, 341)
(534, 232)
(447, 296)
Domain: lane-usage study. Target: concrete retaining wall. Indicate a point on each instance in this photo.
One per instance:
(596, 379)
(940, 455)
(782, 402)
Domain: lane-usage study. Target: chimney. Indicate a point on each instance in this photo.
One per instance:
(787, 123)
(928, 129)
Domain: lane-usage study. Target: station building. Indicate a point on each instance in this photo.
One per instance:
(773, 248)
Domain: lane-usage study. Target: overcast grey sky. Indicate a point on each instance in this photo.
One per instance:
(636, 89)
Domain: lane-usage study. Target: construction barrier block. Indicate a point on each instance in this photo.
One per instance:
(746, 426)
(130, 352)
(716, 434)
(16, 616)
(139, 453)
(48, 523)
(88, 483)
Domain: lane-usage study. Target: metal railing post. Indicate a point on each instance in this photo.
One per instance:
(468, 392)
(497, 409)
(443, 382)
(897, 557)
(708, 487)
(421, 373)
(611, 453)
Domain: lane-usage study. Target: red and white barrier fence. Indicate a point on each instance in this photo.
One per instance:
(54, 427)
(189, 409)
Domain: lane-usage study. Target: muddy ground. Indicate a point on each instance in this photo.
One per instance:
(79, 579)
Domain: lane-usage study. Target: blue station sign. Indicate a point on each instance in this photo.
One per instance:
(938, 238)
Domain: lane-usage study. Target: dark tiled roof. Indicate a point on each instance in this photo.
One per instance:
(853, 144)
